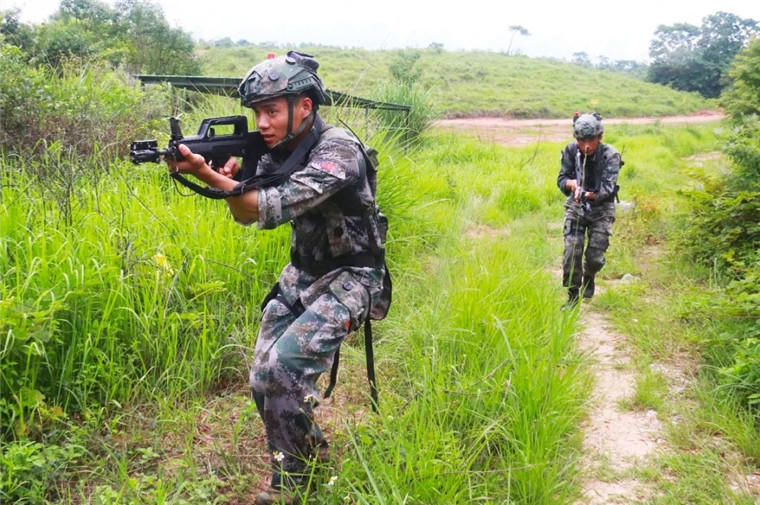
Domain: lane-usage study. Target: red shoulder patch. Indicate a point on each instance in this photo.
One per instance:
(329, 167)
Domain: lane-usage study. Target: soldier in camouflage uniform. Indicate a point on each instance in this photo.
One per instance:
(588, 176)
(335, 279)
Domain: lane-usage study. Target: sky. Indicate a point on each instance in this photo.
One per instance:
(614, 29)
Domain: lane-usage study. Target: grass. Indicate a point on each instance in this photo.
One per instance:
(129, 311)
(648, 393)
(144, 302)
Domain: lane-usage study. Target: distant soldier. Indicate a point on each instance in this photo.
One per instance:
(588, 176)
(336, 277)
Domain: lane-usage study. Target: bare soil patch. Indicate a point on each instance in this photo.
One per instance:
(615, 439)
(521, 132)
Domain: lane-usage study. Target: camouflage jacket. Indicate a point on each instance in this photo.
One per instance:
(331, 208)
(328, 202)
(601, 171)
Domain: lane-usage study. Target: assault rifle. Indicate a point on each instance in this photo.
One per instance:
(585, 204)
(215, 148)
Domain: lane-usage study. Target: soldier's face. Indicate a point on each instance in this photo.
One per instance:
(588, 146)
(272, 117)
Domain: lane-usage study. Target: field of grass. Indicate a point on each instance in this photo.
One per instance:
(711, 445)
(130, 309)
(477, 83)
(129, 312)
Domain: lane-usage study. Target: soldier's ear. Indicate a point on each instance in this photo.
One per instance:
(306, 104)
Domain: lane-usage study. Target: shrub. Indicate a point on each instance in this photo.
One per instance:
(724, 233)
(419, 117)
(85, 106)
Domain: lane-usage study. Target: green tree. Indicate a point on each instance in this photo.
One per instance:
(91, 13)
(742, 98)
(153, 45)
(436, 47)
(724, 234)
(673, 39)
(133, 34)
(691, 58)
(516, 29)
(632, 67)
(60, 40)
(581, 58)
(225, 42)
(13, 31)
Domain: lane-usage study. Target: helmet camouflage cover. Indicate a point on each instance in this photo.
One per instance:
(586, 126)
(293, 74)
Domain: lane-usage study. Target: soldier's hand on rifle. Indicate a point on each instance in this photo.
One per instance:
(192, 164)
(230, 168)
(590, 195)
(572, 185)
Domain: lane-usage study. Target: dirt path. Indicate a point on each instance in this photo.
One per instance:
(615, 439)
(521, 132)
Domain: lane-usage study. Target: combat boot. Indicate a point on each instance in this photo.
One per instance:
(274, 496)
(588, 291)
(284, 489)
(572, 299)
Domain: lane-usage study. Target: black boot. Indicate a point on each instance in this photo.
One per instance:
(572, 298)
(588, 291)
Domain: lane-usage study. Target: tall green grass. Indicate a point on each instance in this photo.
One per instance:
(116, 302)
(485, 385)
(144, 295)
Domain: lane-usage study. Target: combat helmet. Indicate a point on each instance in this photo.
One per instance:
(288, 76)
(586, 126)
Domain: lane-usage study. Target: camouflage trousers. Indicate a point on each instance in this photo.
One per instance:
(595, 224)
(301, 330)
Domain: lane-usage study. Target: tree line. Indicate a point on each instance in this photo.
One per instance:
(698, 58)
(133, 34)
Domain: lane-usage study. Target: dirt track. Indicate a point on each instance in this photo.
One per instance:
(521, 132)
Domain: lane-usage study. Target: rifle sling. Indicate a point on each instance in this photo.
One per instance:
(370, 366)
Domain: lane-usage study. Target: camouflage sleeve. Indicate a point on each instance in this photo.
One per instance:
(332, 165)
(610, 172)
(566, 171)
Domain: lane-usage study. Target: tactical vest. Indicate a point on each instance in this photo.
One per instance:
(355, 201)
(573, 151)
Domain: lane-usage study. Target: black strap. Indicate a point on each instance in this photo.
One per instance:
(333, 374)
(370, 363)
(370, 367)
(320, 268)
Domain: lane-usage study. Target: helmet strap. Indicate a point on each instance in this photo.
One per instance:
(292, 135)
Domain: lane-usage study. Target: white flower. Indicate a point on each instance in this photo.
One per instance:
(311, 399)
(278, 456)
(332, 480)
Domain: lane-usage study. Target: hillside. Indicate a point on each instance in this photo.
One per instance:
(481, 83)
